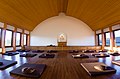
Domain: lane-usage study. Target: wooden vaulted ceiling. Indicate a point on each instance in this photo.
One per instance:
(27, 14)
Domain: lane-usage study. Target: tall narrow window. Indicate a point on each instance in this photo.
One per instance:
(8, 38)
(18, 35)
(99, 39)
(25, 39)
(107, 38)
(0, 36)
(117, 37)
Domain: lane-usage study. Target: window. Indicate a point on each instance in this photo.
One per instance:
(107, 38)
(18, 35)
(0, 36)
(8, 38)
(117, 37)
(99, 39)
(25, 39)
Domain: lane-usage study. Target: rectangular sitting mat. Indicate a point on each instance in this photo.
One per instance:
(37, 51)
(47, 56)
(93, 54)
(99, 56)
(7, 63)
(79, 56)
(115, 54)
(89, 67)
(117, 62)
(39, 70)
(28, 55)
(10, 53)
(74, 51)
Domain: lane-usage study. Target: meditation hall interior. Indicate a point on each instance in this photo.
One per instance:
(59, 39)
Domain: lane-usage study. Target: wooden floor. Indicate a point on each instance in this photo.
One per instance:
(63, 66)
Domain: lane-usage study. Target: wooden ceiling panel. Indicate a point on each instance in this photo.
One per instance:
(96, 13)
(27, 14)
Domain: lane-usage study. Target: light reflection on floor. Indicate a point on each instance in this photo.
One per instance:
(108, 61)
(22, 60)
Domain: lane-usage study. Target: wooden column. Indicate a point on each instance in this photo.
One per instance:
(95, 38)
(112, 43)
(3, 38)
(14, 39)
(103, 39)
(22, 39)
(28, 39)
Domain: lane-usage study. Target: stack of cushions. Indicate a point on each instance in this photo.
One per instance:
(37, 51)
(102, 55)
(28, 55)
(51, 45)
(89, 51)
(74, 51)
(115, 54)
(93, 54)
(47, 56)
(10, 53)
(80, 56)
(103, 50)
(52, 51)
(23, 50)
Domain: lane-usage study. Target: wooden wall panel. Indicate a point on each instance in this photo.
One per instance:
(64, 48)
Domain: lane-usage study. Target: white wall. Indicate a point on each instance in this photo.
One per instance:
(78, 33)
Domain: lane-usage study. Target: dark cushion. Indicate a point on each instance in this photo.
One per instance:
(38, 67)
(47, 56)
(74, 51)
(10, 53)
(6, 63)
(52, 51)
(89, 51)
(103, 50)
(115, 54)
(102, 55)
(80, 56)
(23, 50)
(37, 51)
(92, 71)
(28, 55)
(50, 45)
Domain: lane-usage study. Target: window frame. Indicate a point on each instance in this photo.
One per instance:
(1, 37)
(20, 39)
(26, 38)
(114, 35)
(98, 39)
(105, 37)
(11, 38)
